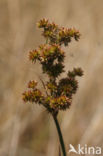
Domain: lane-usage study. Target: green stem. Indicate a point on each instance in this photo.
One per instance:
(60, 135)
(47, 41)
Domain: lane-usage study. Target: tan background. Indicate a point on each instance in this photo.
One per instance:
(26, 129)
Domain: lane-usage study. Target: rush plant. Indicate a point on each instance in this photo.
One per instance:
(58, 91)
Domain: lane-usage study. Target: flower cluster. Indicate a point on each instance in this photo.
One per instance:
(55, 34)
(32, 84)
(58, 103)
(34, 95)
(75, 72)
(47, 53)
(51, 57)
(69, 85)
(52, 103)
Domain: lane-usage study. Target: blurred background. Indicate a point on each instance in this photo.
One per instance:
(27, 129)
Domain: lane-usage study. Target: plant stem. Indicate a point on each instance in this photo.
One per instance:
(60, 135)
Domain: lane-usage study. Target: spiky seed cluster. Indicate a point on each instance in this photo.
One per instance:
(55, 34)
(34, 95)
(32, 84)
(51, 57)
